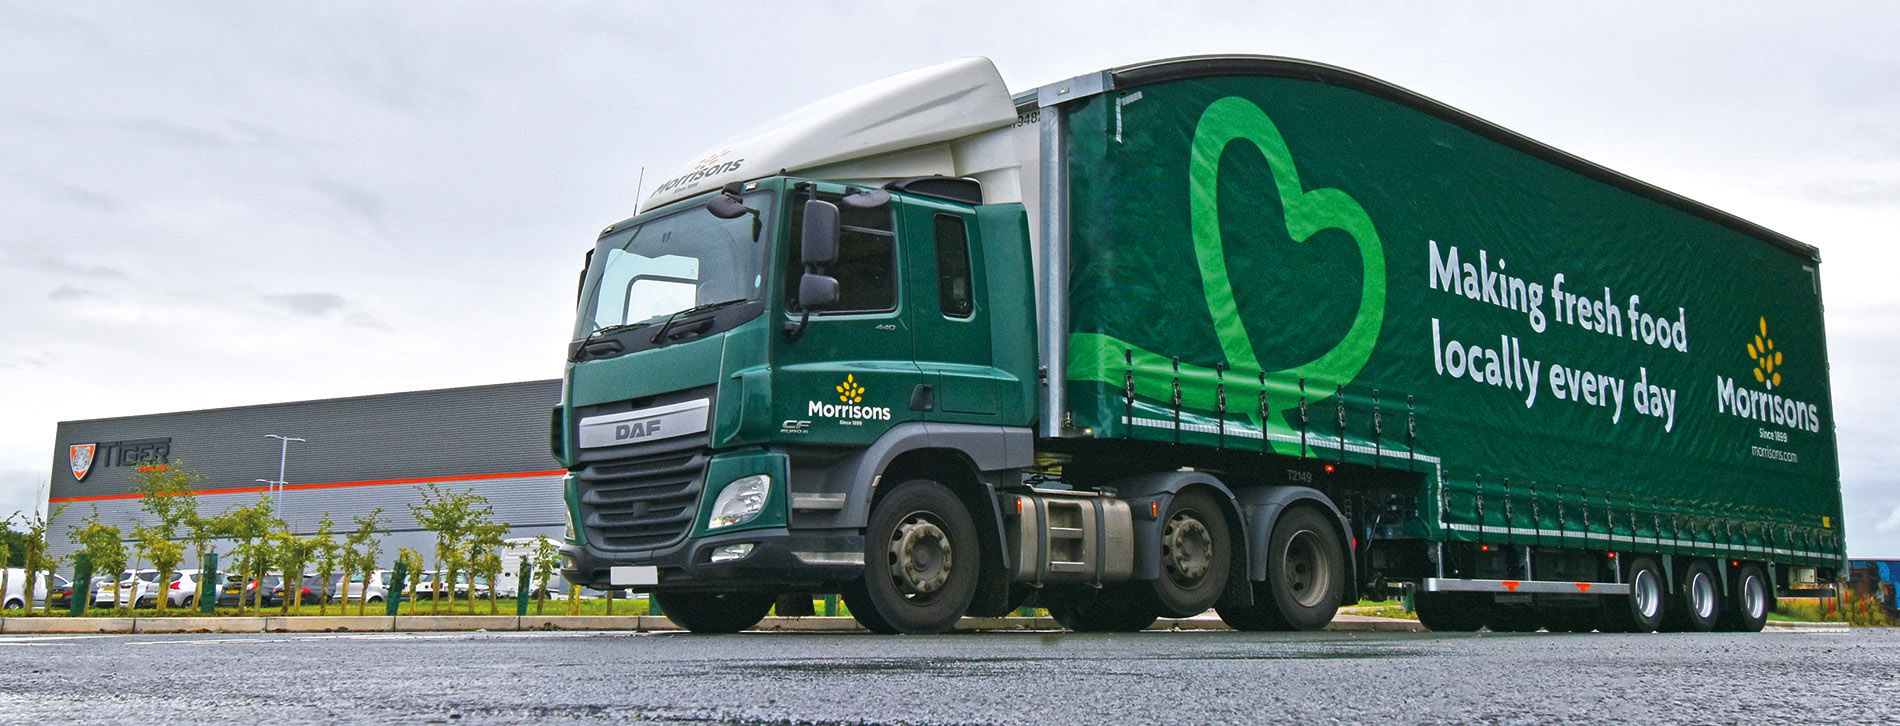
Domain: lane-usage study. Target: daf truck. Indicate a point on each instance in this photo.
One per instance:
(1241, 333)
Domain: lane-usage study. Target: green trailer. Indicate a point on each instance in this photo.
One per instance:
(1242, 333)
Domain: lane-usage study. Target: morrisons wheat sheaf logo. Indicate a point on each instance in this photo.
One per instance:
(1739, 399)
(850, 393)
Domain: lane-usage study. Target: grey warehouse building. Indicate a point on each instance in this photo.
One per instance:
(358, 455)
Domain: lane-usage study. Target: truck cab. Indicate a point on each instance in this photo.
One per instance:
(736, 353)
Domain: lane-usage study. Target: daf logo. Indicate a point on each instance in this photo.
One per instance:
(636, 430)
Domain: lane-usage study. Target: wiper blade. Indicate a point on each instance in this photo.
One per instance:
(615, 328)
(657, 337)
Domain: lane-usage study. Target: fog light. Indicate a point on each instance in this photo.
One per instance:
(740, 501)
(728, 553)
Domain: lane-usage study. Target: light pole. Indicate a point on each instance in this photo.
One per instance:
(281, 484)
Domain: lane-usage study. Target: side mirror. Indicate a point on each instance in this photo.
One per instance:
(817, 292)
(819, 236)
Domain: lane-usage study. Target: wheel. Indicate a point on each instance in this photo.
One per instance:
(1195, 555)
(189, 599)
(15, 604)
(1515, 619)
(921, 558)
(1697, 601)
(726, 612)
(1746, 609)
(379, 598)
(1115, 609)
(858, 601)
(1642, 610)
(1306, 569)
(1452, 612)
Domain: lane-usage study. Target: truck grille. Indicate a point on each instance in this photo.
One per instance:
(645, 500)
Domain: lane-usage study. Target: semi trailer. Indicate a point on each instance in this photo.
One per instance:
(1241, 333)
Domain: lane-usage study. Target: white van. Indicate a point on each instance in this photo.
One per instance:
(15, 597)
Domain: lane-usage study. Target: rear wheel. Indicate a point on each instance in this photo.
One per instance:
(1306, 576)
(1697, 601)
(15, 604)
(1452, 612)
(728, 612)
(1747, 606)
(1642, 610)
(921, 558)
(1115, 609)
(1195, 555)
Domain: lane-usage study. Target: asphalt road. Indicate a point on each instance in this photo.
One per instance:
(783, 678)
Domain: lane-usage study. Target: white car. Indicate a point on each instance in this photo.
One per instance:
(183, 590)
(352, 591)
(15, 596)
(130, 589)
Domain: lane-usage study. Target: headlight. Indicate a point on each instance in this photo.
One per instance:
(740, 501)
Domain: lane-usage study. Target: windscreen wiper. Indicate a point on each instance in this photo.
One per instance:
(657, 337)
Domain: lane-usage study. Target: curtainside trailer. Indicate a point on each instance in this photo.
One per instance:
(1244, 333)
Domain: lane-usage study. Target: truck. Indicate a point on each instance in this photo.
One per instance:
(1242, 333)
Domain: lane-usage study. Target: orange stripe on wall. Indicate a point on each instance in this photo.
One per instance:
(334, 485)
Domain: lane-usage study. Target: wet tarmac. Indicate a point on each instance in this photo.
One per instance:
(1005, 678)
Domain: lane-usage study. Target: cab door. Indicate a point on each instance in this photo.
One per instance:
(850, 374)
(949, 311)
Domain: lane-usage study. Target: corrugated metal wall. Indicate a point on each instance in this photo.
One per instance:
(361, 453)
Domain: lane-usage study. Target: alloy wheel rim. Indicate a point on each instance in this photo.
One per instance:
(1307, 575)
(1648, 595)
(1702, 595)
(1755, 596)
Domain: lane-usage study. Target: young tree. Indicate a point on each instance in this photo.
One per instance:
(6, 566)
(249, 528)
(361, 552)
(103, 542)
(33, 543)
(167, 492)
(293, 557)
(155, 546)
(328, 556)
(412, 561)
(451, 515)
(485, 543)
(546, 558)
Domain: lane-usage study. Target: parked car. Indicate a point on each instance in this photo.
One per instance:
(132, 588)
(231, 589)
(15, 596)
(183, 590)
(377, 589)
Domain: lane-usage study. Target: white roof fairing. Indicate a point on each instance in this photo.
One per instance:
(934, 120)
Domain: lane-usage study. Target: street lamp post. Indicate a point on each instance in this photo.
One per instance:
(280, 483)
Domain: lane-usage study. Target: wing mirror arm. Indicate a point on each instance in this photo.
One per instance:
(818, 246)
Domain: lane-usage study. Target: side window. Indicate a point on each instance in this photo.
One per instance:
(866, 267)
(953, 268)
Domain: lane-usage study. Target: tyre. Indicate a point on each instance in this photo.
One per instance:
(727, 612)
(1697, 602)
(1452, 612)
(1196, 553)
(858, 602)
(15, 604)
(1261, 616)
(1515, 619)
(1306, 568)
(1115, 609)
(1746, 609)
(921, 558)
(379, 598)
(1642, 610)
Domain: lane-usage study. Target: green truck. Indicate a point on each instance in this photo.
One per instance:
(1241, 333)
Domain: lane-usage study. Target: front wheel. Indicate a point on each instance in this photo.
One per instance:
(1195, 555)
(921, 558)
(1642, 610)
(728, 612)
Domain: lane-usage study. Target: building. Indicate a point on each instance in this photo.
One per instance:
(357, 455)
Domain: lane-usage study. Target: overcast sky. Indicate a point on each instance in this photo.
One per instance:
(213, 205)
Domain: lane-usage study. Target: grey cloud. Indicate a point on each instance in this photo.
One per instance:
(312, 304)
(68, 293)
(363, 202)
(365, 320)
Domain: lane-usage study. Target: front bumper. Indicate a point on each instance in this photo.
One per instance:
(780, 560)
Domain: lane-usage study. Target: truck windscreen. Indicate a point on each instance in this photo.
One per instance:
(644, 274)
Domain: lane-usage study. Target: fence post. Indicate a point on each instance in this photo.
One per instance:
(392, 601)
(524, 587)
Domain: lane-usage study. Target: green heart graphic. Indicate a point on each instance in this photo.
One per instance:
(1097, 357)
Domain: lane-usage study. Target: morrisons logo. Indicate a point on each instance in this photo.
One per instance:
(1736, 398)
(850, 393)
